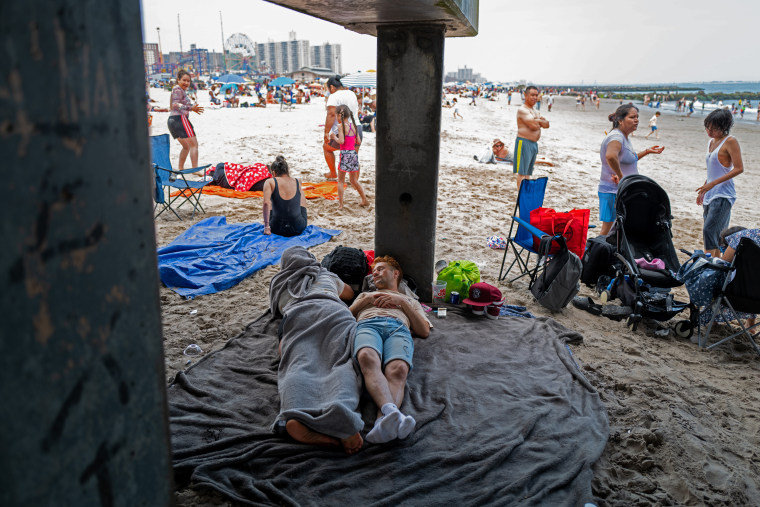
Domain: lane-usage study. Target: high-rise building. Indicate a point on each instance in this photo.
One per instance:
(151, 54)
(327, 56)
(285, 56)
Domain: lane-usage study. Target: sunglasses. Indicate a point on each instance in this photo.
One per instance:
(499, 145)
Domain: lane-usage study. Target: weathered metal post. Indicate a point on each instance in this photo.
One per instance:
(81, 371)
(409, 88)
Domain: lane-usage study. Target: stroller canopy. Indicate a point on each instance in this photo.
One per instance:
(643, 213)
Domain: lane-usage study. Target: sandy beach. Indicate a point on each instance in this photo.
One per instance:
(684, 423)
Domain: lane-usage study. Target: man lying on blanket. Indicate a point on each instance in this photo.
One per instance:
(383, 346)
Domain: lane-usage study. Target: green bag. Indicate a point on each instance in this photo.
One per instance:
(459, 275)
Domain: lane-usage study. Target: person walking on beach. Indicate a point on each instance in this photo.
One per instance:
(384, 347)
(339, 96)
(456, 109)
(179, 124)
(653, 126)
(619, 160)
(529, 125)
(349, 142)
(724, 162)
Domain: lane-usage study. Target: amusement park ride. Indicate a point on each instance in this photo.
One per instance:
(240, 54)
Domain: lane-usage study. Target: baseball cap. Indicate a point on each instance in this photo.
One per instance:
(335, 81)
(483, 294)
(496, 141)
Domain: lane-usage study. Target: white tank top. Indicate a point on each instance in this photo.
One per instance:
(714, 171)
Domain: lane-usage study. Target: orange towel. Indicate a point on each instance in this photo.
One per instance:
(326, 189)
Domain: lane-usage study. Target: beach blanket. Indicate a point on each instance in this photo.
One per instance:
(213, 255)
(504, 417)
(326, 190)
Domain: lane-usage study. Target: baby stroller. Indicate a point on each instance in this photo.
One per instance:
(643, 231)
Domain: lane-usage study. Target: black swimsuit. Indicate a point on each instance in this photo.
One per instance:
(287, 218)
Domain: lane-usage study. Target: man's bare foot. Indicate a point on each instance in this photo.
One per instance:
(365, 202)
(352, 444)
(300, 432)
(340, 206)
(330, 176)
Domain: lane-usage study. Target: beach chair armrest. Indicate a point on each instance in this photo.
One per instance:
(194, 169)
(530, 228)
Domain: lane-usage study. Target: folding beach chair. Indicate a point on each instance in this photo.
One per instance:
(530, 197)
(168, 179)
(741, 294)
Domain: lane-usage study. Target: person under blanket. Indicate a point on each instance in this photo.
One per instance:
(301, 276)
(383, 347)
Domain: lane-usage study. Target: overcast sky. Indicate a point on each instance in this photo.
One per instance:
(550, 41)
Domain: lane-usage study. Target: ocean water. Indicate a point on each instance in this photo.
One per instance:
(724, 86)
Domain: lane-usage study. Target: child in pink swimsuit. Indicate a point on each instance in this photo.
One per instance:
(349, 158)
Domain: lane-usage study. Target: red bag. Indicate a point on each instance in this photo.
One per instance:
(573, 225)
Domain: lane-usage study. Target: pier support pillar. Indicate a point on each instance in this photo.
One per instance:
(409, 88)
(84, 414)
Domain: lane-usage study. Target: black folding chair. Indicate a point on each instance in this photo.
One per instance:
(740, 294)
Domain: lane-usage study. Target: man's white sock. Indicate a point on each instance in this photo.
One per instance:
(386, 426)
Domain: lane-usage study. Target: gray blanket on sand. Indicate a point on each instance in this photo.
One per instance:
(504, 417)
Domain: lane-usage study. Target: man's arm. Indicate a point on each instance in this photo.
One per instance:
(329, 120)
(417, 323)
(363, 301)
(523, 118)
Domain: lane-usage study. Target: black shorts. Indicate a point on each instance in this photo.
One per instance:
(180, 127)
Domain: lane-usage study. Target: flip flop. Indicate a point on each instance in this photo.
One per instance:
(587, 304)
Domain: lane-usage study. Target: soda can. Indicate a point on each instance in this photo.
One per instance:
(454, 298)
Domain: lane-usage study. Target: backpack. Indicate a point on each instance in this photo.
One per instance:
(350, 264)
(459, 275)
(558, 284)
(598, 260)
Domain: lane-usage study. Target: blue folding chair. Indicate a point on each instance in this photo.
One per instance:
(167, 179)
(530, 197)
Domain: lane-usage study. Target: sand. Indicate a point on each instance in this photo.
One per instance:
(684, 423)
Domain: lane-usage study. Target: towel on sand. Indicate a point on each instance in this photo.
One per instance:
(212, 255)
(326, 189)
(503, 417)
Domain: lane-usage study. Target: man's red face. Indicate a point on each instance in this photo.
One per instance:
(383, 275)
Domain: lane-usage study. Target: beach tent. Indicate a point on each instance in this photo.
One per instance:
(360, 80)
(230, 78)
(281, 81)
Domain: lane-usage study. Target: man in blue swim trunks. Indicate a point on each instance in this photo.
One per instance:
(383, 347)
(529, 125)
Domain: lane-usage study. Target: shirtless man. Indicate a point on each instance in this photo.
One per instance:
(529, 125)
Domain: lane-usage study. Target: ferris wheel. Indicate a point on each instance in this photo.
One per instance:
(241, 52)
(239, 43)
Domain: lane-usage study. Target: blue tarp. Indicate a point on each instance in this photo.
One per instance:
(212, 255)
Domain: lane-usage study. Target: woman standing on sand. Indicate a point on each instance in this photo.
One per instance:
(619, 159)
(284, 202)
(179, 124)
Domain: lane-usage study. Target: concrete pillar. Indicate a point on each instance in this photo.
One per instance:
(82, 384)
(409, 81)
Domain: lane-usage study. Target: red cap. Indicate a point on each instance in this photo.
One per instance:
(483, 294)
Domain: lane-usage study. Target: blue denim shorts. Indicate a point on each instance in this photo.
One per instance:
(606, 207)
(389, 337)
(717, 215)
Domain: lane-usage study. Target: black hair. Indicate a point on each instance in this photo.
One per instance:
(529, 88)
(279, 167)
(720, 119)
(620, 113)
(335, 81)
(181, 73)
(727, 232)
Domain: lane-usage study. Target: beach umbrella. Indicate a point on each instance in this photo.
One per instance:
(226, 87)
(281, 81)
(360, 80)
(230, 78)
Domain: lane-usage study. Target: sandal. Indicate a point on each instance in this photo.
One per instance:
(586, 303)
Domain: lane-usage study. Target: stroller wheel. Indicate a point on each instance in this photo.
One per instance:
(683, 329)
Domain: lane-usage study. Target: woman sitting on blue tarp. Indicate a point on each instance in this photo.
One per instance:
(284, 202)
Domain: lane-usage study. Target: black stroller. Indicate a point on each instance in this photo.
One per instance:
(643, 230)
